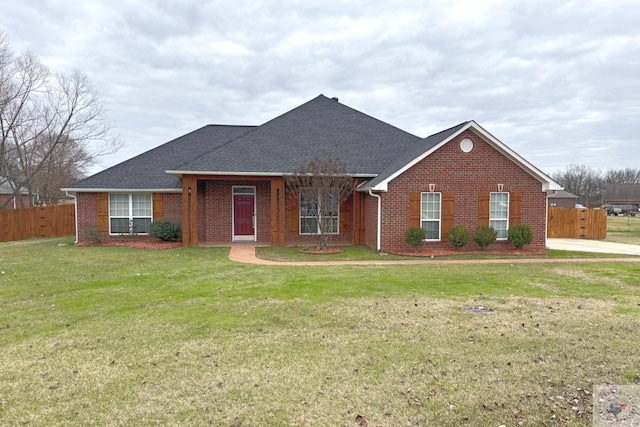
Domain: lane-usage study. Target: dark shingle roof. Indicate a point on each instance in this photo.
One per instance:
(622, 192)
(562, 194)
(321, 127)
(412, 152)
(147, 170)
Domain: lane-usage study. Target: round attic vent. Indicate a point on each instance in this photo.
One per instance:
(466, 145)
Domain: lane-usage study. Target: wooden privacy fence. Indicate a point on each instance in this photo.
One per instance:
(48, 221)
(572, 223)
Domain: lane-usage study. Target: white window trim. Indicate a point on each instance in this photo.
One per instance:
(300, 217)
(508, 209)
(130, 217)
(439, 220)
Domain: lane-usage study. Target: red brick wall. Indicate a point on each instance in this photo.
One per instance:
(88, 212)
(21, 201)
(215, 213)
(215, 210)
(558, 202)
(172, 207)
(466, 175)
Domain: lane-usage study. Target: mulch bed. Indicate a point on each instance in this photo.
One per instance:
(316, 251)
(495, 249)
(138, 243)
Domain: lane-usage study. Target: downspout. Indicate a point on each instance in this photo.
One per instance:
(75, 203)
(546, 219)
(379, 220)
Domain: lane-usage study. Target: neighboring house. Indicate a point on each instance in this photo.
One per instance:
(226, 183)
(621, 194)
(621, 197)
(562, 199)
(15, 202)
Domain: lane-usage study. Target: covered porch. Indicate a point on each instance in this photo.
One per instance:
(219, 209)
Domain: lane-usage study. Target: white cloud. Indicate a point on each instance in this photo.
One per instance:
(556, 81)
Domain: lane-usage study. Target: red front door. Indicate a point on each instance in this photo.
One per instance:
(243, 210)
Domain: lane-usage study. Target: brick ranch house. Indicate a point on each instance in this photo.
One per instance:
(226, 184)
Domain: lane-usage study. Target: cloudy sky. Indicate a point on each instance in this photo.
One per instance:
(557, 81)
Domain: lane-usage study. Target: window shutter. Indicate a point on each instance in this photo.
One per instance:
(103, 212)
(294, 214)
(157, 207)
(515, 208)
(483, 208)
(414, 209)
(345, 220)
(447, 214)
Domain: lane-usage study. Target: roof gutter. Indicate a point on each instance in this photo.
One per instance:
(236, 173)
(377, 196)
(123, 190)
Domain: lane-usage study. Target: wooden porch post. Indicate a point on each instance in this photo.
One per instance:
(357, 219)
(189, 211)
(359, 216)
(277, 212)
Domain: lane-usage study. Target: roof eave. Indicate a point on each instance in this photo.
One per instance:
(122, 190)
(383, 187)
(180, 173)
(548, 184)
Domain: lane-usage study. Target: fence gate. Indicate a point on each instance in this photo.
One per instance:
(572, 223)
(27, 223)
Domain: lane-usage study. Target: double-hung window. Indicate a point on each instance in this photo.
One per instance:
(315, 212)
(431, 214)
(129, 213)
(499, 213)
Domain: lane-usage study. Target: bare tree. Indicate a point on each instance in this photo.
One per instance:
(588, 184)
(583, 181)
(321, 185)
(49, 124)
(623, 176)
(64, 165)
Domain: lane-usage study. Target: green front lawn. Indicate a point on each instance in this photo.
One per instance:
(623, 229)
(119, 336)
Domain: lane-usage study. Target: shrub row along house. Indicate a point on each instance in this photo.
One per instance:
(226, 184)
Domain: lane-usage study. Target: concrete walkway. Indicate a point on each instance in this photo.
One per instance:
(246, 254)
(584, 245)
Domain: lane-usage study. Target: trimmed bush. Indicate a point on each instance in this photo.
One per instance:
(458, 236)
(92, 234)
(520, 235)
(485, 236)
(165, 230)
(414, 237)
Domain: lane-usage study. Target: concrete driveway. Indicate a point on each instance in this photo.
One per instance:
(584, 245)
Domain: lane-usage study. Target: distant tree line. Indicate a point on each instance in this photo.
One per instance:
(52, 126)
(589, 183)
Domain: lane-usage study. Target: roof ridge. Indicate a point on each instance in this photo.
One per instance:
(449, 129)
(224, 144)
